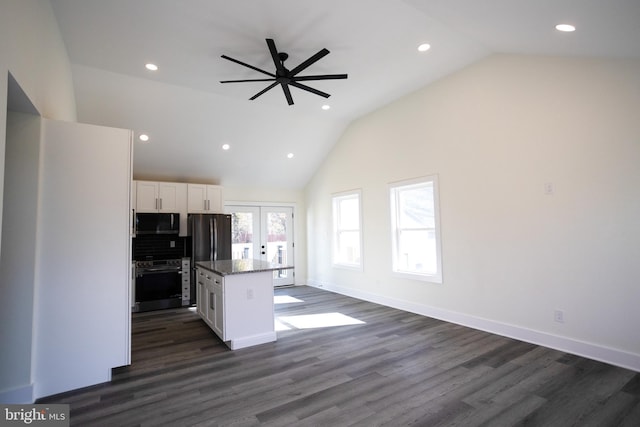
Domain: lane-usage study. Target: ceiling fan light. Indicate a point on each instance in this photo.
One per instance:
(566, 28)
(326, 107)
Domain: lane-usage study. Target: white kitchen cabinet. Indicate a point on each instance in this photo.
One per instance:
(160, 196)
(215, 313)
(235, 299)
(169, 197)
(205, 198)
(186, 281)
(202, 283)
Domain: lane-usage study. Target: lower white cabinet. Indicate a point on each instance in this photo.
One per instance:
(202, 281)
(238, 307)
(215, 315)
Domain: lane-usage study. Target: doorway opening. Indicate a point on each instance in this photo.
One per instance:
(264, 233)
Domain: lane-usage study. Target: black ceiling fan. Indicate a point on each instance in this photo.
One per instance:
(285, 77)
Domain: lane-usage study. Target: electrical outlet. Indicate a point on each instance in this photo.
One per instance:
(249, 293)
(558, 316)
(172, 244)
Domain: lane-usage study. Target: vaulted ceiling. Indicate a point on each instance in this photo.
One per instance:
(189, 115)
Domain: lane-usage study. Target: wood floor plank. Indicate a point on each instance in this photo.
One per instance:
(395, 368)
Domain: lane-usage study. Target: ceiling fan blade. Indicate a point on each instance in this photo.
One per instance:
(319, 77)
(287, 93)
(247, 65)
(246, 80)
(311, 60)
(275, 57)
(271, 86)
(310, 89)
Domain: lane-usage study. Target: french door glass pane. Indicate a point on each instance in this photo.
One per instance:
(242, 235)
(277, 241)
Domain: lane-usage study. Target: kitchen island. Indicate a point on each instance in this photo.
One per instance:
(235, 298)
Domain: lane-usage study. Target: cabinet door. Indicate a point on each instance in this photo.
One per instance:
(214, 199)
(201, 297)
(197, 198)
(146, 196)
(181, 206)
(168, 197)
(217, 314)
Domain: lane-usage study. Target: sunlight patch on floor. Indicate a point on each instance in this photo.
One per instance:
(285, 299)
(310, 321)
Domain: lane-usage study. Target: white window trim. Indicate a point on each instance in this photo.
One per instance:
(334, 262)
(433, 278)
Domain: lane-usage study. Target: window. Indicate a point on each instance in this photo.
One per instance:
(347, 236)
(416, 230)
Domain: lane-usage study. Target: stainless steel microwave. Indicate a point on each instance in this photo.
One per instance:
(157, 223)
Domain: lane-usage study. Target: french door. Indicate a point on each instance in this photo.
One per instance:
(265, 233)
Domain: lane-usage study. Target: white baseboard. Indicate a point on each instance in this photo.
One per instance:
(252, 340)
(592, 351)
(20, 395)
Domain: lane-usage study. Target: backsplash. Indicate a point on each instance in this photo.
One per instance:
(158, 247)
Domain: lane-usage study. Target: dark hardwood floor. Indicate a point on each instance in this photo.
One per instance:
(394, 369)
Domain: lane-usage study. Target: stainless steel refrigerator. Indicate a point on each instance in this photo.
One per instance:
(210, 241)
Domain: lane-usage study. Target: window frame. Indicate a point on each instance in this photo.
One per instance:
(394, 206)
(335, 200)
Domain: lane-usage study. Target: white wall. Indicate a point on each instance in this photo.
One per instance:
(495, 133)
(31, 48)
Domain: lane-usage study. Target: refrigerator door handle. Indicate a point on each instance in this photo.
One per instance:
(215, 239)
(211, 233)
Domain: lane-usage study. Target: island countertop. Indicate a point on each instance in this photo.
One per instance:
(227, 267)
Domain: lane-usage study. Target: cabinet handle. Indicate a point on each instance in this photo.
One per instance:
(211, 302)
(160, 204)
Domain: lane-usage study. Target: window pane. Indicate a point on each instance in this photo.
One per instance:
(416, 207)
(346, 230)
(417, 251)
(349, 216)
(242, 235)
(349, 247)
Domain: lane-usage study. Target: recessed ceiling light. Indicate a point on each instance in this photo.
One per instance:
(151, 67)
(326, 107)
(567, 28)
(424, 47)
(290, 156)
(225, 146)
(144, 137)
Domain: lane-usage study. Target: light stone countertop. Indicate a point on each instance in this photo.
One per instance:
(240, 266)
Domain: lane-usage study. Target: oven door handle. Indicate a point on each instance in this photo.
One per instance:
(146, 272)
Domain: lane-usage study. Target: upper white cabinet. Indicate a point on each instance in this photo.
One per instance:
(204, 198)
(169, 197)
(160, 196)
